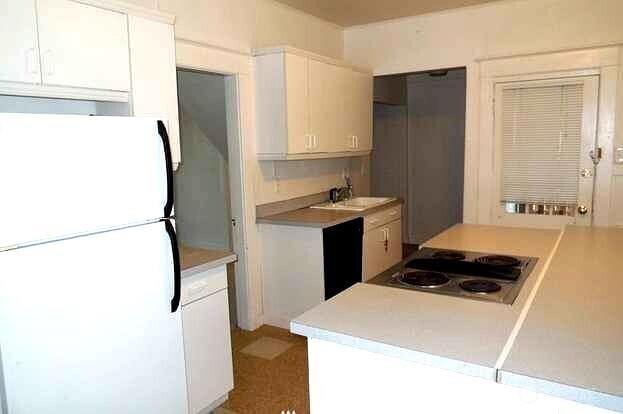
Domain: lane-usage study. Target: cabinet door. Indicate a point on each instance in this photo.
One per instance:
(207, 346)
(325, 105)
(361, 110)
(393, 255)
(154, 79)
(374, 256)
(297, 104)
(382, 249)
(19, 59)
(83, 46)
(347, 98)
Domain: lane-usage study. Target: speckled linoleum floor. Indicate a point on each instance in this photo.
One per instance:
(263, 386)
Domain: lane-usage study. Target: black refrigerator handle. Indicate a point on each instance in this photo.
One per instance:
(177, 272)
(162, 131)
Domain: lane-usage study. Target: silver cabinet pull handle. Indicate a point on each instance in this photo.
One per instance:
(48, 62)
(31, 64)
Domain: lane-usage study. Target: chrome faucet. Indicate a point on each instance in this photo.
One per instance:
(342, 193)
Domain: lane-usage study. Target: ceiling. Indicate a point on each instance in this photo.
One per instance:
(354, 12)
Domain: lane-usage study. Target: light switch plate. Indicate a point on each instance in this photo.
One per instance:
(618, 155)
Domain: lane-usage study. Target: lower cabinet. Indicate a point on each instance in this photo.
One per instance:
(207, 339)
(304, 266)
(382, 247)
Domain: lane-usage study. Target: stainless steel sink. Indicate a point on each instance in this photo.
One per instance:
(355, 204)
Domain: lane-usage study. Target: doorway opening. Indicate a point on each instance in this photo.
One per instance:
(205, 182)
(419, 148)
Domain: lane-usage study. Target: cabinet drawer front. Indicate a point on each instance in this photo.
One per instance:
(202, 284)
(375, 220)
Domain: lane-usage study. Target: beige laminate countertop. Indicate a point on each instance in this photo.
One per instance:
(315, 217)
(454, 333)
(571, 342)
(193, 258)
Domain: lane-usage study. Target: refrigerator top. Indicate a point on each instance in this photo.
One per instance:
(68, 175)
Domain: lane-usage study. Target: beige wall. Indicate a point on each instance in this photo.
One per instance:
(278, 24)
(242, 25)
(284, 180)
(505, 28)
(464, 37)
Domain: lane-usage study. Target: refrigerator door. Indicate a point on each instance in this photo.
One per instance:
(86, 326)
(65, 175)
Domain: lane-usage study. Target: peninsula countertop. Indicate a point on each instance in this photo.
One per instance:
(571, 343)
(453, 333)
(194, 259)
(314, 217)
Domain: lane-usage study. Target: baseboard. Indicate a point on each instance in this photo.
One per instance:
(278, 321)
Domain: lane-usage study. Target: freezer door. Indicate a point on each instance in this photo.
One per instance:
(64, 175)
(86, 326)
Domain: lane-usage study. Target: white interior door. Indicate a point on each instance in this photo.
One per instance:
(67, 174)
(83, 46)
(87, 326)
(19, 60)
(545, 131)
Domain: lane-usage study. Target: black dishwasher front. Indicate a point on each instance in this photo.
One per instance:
(342, 250)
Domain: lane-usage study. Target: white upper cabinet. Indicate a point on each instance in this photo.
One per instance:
(299, 140)
(311, 107)
(154, 81)
(83, 46)
(326, 82)
(19, 51)
(361, 90)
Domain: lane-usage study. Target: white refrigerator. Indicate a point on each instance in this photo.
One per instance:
(89, 267)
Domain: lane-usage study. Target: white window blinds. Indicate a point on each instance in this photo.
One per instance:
(541, 143)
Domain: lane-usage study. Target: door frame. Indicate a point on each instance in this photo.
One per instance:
(237, 69)
(600, 61)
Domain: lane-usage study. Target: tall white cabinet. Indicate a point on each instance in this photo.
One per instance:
(310, 106)
(154, 79)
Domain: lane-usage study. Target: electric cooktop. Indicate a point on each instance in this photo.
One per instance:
(472, 275)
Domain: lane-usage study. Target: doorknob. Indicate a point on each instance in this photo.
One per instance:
(582, 209)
